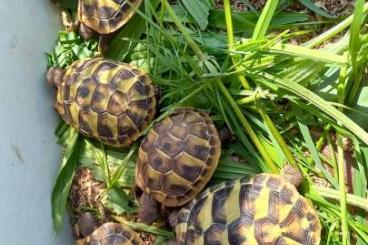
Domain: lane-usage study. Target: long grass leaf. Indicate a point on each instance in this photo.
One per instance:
(313, 98)
(312, 6)
(265, 19)
(64, 180)
(354, 47)
(199, 10)
(342, 191)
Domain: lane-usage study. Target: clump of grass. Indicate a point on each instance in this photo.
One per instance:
(281, 101)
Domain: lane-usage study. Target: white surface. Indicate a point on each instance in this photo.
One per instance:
(29, 156)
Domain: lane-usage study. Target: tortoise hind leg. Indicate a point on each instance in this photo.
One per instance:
(148, 209)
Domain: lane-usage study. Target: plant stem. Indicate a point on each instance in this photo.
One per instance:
(335, 195)
(247, 127)
(230, 41)
(229, 23)
(333, 31)
(280, 140)
(342, 190)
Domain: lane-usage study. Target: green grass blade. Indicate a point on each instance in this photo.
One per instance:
(336, 29)
(342, 191)
(314, 152)
(144, 228)
(199, 10)
(265, 19)
(312, 6)
(64, 180)
(229, 23)
(351, 199)
(307, 53)
(354, 47)
(122, 165)
(313, 98)
(248, 128)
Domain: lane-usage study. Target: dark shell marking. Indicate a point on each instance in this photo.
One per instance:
(269, 211)
(113, 114)
(176, 161)
(106, 16)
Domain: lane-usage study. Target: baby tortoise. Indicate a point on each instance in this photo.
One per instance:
(176, 160)
(266, 209)
(104, 99)
(111, 234)
(104, 16)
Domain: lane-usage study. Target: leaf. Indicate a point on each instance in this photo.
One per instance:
(244, 21)
(145, 228)
(312, 6)
(314, 153)
(199, 10)
(119, 202)
(323, 105)
(265, 19)
(354, 47)
(64, 180)
(122, 166)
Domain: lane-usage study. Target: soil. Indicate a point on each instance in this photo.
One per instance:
(85, 196)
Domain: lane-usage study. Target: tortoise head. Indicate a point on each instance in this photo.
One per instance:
(55, 76)
(148, 209)
(292, 175)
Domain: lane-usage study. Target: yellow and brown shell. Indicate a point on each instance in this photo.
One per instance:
(178, 157)
(264, 210)
(106, 16)
(107, 100)
(111, 234)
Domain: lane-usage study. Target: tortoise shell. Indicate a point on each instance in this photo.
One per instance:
(263, 210)
(106, 16)
(111, 234)
(178, 157)
(107, 100)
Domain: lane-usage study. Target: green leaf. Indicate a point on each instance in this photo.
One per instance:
(119, 202)
(312, 6)
(308, 95)
(199, 10)
(64, 180)
(265, 19)
(314, 153)
(145, 228)
(354, 47)
(245, 21)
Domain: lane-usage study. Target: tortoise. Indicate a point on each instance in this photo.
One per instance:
(111, 234)
(176, 160)
(104, 16)
(266, 209)
(104, 99)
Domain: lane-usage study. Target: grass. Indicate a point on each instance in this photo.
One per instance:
(283, 102)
